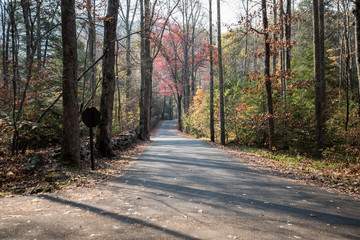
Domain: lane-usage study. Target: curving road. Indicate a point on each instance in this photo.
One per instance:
(185, 189)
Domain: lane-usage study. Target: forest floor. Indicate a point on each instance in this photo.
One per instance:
(54, 175)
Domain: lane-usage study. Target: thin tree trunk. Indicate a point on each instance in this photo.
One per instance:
(15, 64)
(103, 140)
(212, 129)
(282, 53)
(5, 47)
(357, 47)
(221, 79)
(38, 34)
(180, 122)
(118, 87)
(275, 35)
(71, 130)
(246, 37)
(92, 47)
(288, 45)
(271, 125)
(347, 67)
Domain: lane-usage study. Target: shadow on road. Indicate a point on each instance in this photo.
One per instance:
(124, 219)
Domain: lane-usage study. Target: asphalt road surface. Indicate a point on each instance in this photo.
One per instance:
(185, 189)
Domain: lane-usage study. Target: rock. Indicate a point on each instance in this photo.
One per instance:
(56, 176)
(34, 162)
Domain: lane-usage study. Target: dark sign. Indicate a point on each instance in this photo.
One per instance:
(91, 117)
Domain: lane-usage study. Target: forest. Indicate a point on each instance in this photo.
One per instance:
(283, 78)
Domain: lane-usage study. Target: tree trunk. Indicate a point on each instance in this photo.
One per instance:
(180, 124)
(71, 132)
(15, 76)
(92, 48)
(268, 80)
(319, 74)
(221, 79)
(275, 35)
(288, 45)
(103, 141)
(146, 71)
(357, 47)
(38, 34)
(282, 53)
(5, 47)
(212, 129)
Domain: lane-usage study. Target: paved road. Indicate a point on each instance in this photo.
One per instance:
(185, 189)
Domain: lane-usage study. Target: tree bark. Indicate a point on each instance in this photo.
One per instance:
(71, 132)
(288, 46)
(92, 47)
(221, 79)
(212, 129)
(357, 46)
(103, 141)
(271, 126)
(5, 46)
(146, 71)
(319, 74)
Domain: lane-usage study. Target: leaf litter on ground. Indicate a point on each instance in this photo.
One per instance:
(54, 175)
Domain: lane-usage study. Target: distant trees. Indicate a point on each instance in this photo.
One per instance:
(170, 63)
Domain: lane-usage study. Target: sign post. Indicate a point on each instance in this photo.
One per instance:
(91, 118)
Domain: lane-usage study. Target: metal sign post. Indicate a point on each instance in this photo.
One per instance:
(91, 118)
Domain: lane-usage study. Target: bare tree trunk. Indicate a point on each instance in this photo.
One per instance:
(357, 47)
(246, 37)
(71, 131)
(5, 46)
(282, 53)
(103, 140)
(320, 85)
(288, 45)
(185, 72)
(118, 116)
(271, 125)
(15, 76)
(180, 122)
(38, 34)
(221, 79)
(212, 129)
(92, 47)
(347, 65)
(146, 71)
(275, 35)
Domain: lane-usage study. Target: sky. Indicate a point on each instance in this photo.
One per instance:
(229, 11)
